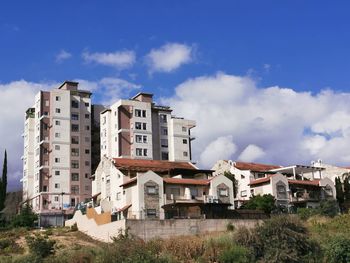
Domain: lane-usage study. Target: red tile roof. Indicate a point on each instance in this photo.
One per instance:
(124, 208)
(305, 182)
(129, 182)
(257, 167)
(186, 181)
(261, 180)
(154, 165)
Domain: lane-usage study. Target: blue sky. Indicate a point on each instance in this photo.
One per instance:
(305, 43)
(266, 81)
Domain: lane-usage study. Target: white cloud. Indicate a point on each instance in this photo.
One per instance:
(109, 90)
(63, 55)
(118, 59)
(169, 57)
(289, 127)
(15, 98)
(221, 148)
(251, 153)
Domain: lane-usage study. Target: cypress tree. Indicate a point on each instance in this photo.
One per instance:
(347, 188)
(3, 184)
(339, 192)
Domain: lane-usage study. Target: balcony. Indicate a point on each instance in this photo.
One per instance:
(305, 197)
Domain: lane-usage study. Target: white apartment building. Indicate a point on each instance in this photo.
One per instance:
(296, 185)
(57, 152)
(139, 129)
(139, 189)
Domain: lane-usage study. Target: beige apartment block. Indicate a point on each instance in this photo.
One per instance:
(57, 152)
(139, 129)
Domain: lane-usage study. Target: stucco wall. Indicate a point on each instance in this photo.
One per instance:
(148, 229)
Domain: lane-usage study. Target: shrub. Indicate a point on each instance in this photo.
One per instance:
(280, 239)
(265, 203)
(230, 227)
(306, 213)
(338, 250)
(236, 254)
(8, 245)
(26, 217)
(40, 246)
(329, 208)
(74, 227)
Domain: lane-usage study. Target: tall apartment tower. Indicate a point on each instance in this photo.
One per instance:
(57, 151)
(139, 129)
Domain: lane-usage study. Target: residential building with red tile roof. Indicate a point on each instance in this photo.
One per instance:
(138, 189)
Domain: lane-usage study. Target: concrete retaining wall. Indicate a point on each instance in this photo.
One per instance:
(98, 232)
(148, 229)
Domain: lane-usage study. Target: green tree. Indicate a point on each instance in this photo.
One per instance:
(346, 178)
(339, 192)
(25, 218)
(338, 249)
(231, 176)
(3, 183)
(265, 203)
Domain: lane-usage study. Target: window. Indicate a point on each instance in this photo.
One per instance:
(184, 141)
(75, 127)
(184, 129)
(137, 113)
(165, 156)
(243, 193)
(75, 140)
(151, 190)
(281, 191)
(87, 104)
(164, 131)
(138, 152)
(47, 103)
(144, 126)
(58, 110)
(58, 123)
(57, 186)
(72, 202)
(138, 125)
(144, 152)
(75, 116)
(87, 127)
(242, 176)
(75, 104)
(164, 143)
(138, 138)
(57, 135)
(144, 139)
(163, 118)
(58, 98)
(57, 172)
(75, 189)
(119, 195)
(86, 175)
(223, 192)
(144, 113)
(75, 164)
(151, 213)
(75, 151)
(87, 116)
(57, 160)
(45, 188)
(185, 154)
(56, 198)
(75, 176)
(87, 151)
(87, 188)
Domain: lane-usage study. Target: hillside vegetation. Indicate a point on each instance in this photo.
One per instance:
(283, 238)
